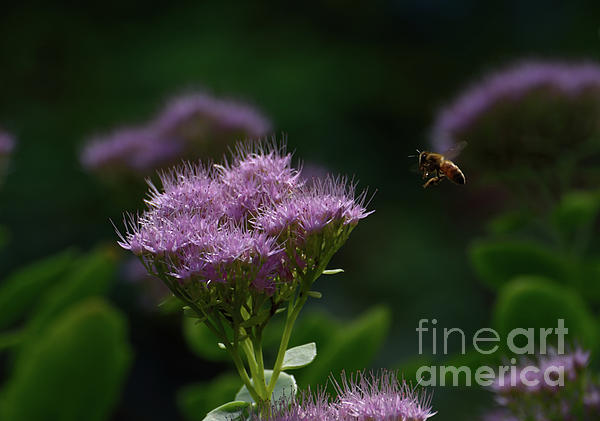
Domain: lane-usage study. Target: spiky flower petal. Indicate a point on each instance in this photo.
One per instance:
(364, 396)
(380, 396)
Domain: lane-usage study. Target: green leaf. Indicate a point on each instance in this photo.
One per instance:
(576, 211)
(496, 262)
(231, 411)
(72, 371)
(25, 288)
(284, 388)
(299, 356)
(350, 348)
(196, 400)
(228, 412)
(536, 302)
(202, 341)
(509, 222)
(332, 271)
(90, 276)
(314, 294)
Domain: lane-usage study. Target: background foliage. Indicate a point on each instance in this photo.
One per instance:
(355, 87)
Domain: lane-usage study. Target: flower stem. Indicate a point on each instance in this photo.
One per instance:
(293, 311)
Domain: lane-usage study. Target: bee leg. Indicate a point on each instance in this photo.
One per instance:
(434, 181)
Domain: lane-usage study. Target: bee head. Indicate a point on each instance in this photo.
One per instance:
(422, 156)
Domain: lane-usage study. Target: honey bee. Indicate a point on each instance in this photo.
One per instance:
(440, 167)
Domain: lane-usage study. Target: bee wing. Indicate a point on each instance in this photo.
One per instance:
(455, 150)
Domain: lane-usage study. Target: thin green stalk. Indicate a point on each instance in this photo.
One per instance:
(232, 350)
(293, 312)
(258, 374)
(257, 345)
(239, 365)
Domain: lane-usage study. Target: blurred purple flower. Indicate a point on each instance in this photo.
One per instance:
(200, 116)
(312, 172)
(190, 127)
(556, 387)
(511, 84)
(569, 366)
(7, 144)
(499, 415)
(210, 224)
(137, 150)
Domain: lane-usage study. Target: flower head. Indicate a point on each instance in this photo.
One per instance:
(524, 124)
(136, 150)
(200, 117)
(7, 143)
(509, 87)
(360, 397)
(380, 396)
(553, 384)
(211, 226)
(306, 406)
(189, 127)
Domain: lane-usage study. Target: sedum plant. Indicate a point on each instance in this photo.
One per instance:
(530, 397)
(238, 243)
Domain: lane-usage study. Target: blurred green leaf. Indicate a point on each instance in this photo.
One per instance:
(508, 222)
(285, 387)
(202, 341)
(496, 262)
(576, 211)
(90, 276)
(21, 292)
(314, 326)
(228, 412)
(299, 356)
(352, 347)
(537, 302)
(408, 368)
(196, 400)
(72, 371)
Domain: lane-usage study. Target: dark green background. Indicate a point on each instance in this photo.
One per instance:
(354, 85)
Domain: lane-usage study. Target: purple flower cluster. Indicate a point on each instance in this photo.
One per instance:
(134, 149)
(201, 115)
(7, 144)
(540, 390)
(511, 85)
(363, 397)
(251, 223)
(190, 126)
(530, 376)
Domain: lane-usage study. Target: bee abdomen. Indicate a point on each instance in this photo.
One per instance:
(451, 170)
